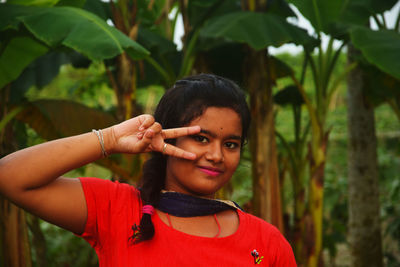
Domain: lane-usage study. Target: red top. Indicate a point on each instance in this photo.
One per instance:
(113, 208)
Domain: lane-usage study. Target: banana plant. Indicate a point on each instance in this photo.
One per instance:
(337, 19)
(294, 158)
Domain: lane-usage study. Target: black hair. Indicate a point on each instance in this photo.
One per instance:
(184, 102)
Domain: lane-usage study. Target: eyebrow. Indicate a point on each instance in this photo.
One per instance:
(213, 135)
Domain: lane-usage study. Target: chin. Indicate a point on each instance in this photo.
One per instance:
(205, 192)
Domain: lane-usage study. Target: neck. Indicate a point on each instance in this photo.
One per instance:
(183, 205)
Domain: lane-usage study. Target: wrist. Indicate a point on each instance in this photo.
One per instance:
(109, 140)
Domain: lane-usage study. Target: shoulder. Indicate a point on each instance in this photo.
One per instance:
(105, 190)
(105, 184)
(261, 225)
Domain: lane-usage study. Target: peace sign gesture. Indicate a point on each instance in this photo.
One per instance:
(142, 134)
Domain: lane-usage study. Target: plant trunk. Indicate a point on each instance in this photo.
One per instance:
(364, 223)
(38, 240)
(15, 249)
(14, 242)
(313, 234)
(299, 214)
(266, 190)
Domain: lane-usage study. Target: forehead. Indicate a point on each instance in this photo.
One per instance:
(219, 119)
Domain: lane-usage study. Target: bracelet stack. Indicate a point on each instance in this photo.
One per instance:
(99, 134)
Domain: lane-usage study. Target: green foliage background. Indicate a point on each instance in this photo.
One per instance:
(92, 88)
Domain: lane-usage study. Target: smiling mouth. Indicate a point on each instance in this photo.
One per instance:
(211, 171)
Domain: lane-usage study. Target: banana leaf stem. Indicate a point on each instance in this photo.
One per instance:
(9, 116)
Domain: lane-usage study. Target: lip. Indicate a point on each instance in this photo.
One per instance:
(210, 171)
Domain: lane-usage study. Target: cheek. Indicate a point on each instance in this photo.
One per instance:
(234, 161)
(175, 163)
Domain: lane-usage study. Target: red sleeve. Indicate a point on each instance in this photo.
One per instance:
(284, 256)
(105, 202)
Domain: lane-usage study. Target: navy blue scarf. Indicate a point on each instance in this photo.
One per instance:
(182, 205)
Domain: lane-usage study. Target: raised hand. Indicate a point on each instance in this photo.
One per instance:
(143, 134)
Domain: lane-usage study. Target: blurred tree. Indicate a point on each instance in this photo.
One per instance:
(259, 82)
(370, 84)
(364, 216)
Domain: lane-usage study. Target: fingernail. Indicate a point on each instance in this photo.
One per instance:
(191, 156)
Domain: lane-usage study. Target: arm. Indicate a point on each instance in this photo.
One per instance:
(31, 178)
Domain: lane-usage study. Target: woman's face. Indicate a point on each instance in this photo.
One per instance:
(217, 147)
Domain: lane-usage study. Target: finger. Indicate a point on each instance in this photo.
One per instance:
(178, 132)
(156, 128)
(148, 134)
(139, 135)
(145, 140)
(146, 137)
(151, 132)
(177, 152)
(145, 122)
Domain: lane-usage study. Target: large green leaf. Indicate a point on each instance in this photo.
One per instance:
(279, 69)
(323, 13)
(170, 62)
(33, 2)
(9, 15)
(380, 87)
(259, 30)
(381, 48)
(289, 95)
(53, 119)
(154, 42)
(281, 8)
(74, 3)
(335, 16)
(163, 52)
(100, 8)
(201, 10)
(81, 31)
(148, 11)
(17, 55)
(379, 6)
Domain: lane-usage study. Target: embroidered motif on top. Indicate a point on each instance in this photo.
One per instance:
(136, 231)
(256, 256)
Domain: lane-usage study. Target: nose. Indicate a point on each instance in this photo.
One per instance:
(215, 153)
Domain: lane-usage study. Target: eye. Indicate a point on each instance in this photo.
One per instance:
(232, 145)
(200, 138)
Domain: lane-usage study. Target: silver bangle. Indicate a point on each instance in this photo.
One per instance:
(99, 134)
(164, 147)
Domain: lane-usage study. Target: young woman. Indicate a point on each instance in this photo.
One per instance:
(172, 218)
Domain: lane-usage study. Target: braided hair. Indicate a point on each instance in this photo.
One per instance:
(184, 102)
